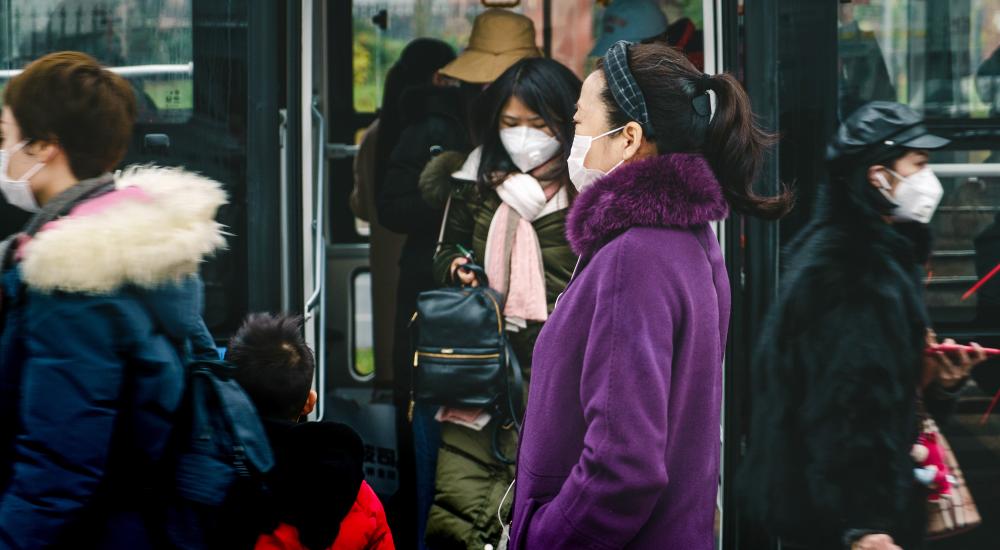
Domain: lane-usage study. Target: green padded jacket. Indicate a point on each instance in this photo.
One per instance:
(470, 481)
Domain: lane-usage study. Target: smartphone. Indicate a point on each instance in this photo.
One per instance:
(946, 348)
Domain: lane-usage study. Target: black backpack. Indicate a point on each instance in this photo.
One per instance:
(462, 357)
(222, 456)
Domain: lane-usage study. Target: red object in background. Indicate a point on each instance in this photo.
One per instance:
(981, 282)
(683, 35)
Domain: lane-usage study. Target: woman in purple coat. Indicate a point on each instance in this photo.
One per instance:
(621, 445)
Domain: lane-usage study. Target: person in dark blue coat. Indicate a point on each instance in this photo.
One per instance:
(101, 309)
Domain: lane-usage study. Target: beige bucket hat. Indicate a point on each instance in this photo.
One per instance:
(499, 39)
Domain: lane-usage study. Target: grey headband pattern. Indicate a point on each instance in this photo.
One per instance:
(623, 86)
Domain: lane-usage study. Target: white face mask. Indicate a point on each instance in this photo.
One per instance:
(581, 176)
(528, 147)
(917, 196)
(18, 192)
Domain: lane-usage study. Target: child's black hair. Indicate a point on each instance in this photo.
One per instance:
(273, 364)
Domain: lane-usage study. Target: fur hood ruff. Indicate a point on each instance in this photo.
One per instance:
(677, 190)
(155, 228)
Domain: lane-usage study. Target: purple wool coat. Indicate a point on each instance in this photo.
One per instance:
(620, 446)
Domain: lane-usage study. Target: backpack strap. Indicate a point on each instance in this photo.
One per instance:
(59, 206)
(515, 387)
(250, 441)
(6, 250)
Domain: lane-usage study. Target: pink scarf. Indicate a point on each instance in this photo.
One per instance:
(513, 254)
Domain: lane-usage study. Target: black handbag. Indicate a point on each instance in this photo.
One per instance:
(461, 356)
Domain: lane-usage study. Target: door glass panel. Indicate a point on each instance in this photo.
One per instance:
(147, 41)
(966, 245)
(363, 329)
(187, 62)
(939, 57)
(375, 50)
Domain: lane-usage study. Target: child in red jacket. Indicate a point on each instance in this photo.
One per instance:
(319, 498)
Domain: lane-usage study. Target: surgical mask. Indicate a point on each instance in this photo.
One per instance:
(528, 147)
(917, 196)
(581, 176)
(18, 192)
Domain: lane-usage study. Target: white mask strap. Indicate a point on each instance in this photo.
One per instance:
(21, 145)
(608, 133)
(885, 186)
(32, 171)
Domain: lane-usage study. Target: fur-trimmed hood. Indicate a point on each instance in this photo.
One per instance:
(674, 190)
(153, 229)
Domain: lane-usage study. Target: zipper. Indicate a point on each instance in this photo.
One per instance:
(500, 317)
(445, 355)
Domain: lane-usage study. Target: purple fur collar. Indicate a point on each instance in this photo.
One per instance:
(674, 190)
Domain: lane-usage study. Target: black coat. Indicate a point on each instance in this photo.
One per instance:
(835, 382)
(433, 116)
(319, 467)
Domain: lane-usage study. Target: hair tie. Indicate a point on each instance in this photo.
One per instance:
(705, 82)
(623, 86)
(701, 102)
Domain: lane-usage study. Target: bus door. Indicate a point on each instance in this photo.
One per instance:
(353, 46)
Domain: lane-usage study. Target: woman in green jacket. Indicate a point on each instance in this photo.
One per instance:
(508, 204)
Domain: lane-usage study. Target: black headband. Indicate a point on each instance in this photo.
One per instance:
(623, 86)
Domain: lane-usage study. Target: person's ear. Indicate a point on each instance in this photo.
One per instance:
(310, 403)
(44, 151)
(633, 135)
(880, 178)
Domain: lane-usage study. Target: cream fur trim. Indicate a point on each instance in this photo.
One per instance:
(144, 243)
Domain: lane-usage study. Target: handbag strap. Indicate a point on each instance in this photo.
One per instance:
(444, 225)
(514, 382)
(515, 388)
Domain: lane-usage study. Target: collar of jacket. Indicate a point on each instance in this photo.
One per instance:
(155, 228)
(676, 190)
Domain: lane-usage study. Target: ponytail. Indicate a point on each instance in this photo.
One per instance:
(731, 140)
(735, 146)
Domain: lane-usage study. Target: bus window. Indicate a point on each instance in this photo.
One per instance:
(150, 45)
(965, 247)
(938, 57)
(363, 331)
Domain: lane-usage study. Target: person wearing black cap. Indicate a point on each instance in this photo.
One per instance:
(840, 366)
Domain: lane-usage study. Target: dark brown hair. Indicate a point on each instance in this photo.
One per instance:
(733, 143)
(546, 87)
(273, 364)
(67, 98)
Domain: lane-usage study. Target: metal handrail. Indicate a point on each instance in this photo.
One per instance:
(954, 253)
(185, 69)
(953, 279)
(319, 250)
(318, 299)
(966, 170)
